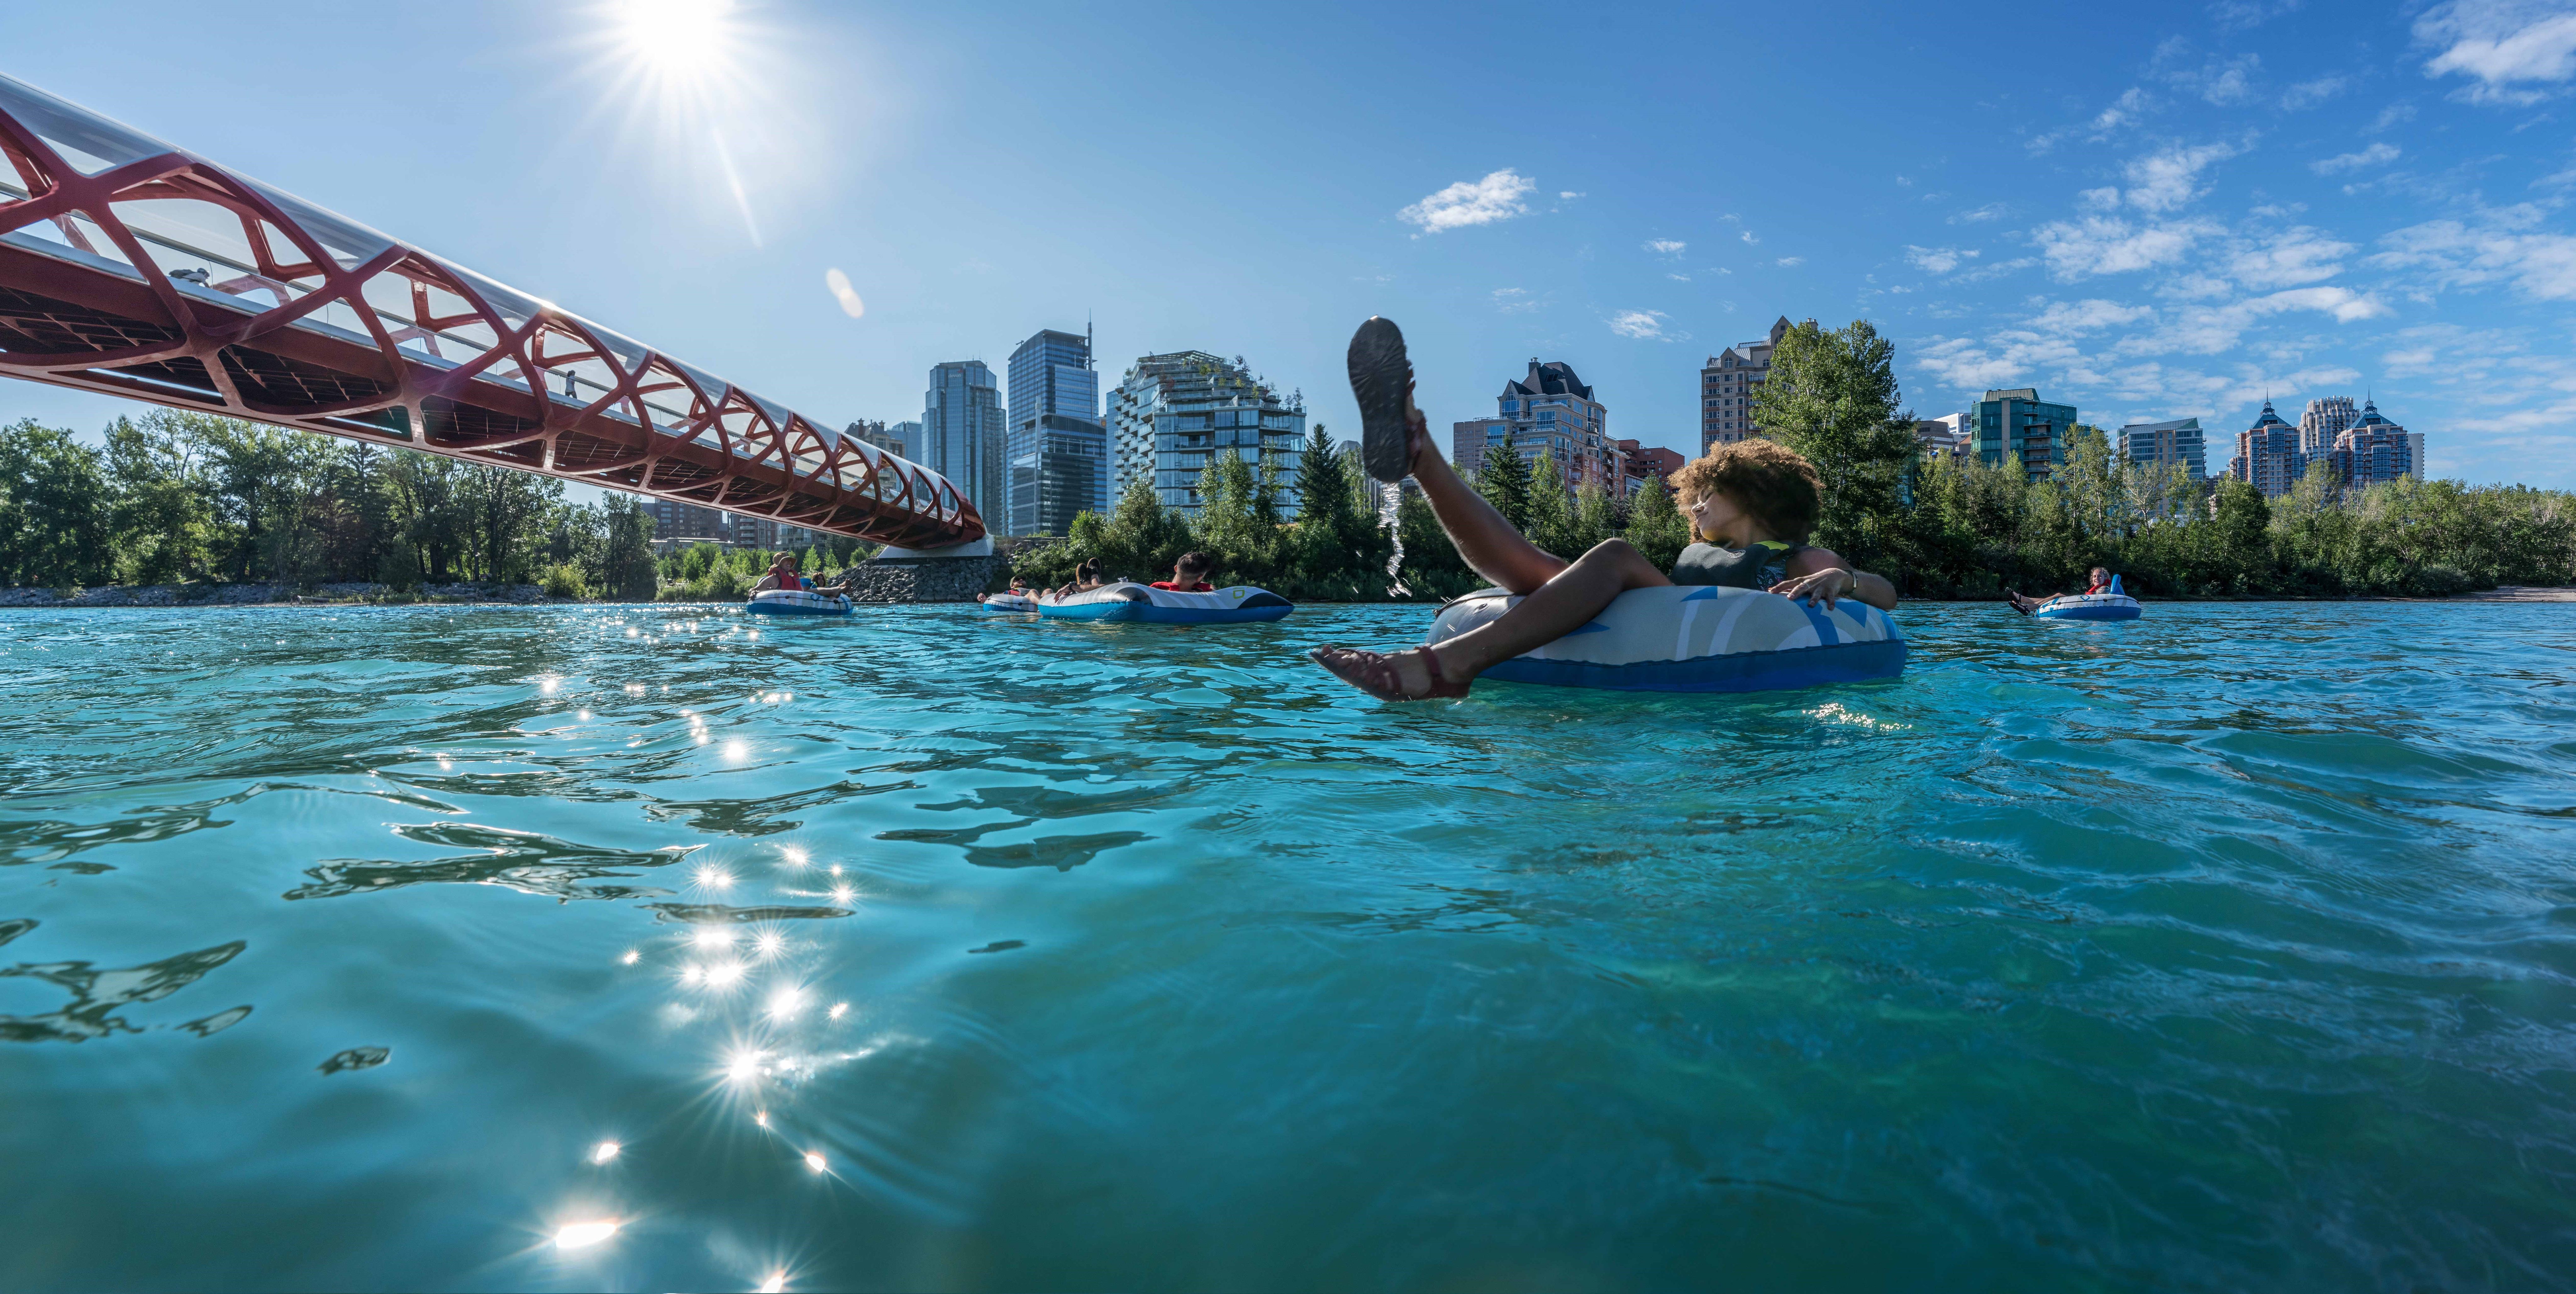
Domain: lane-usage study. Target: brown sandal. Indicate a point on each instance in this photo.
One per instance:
(1374, 673)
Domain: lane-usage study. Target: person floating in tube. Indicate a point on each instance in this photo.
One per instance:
(1086, 577)
(2097, 581)
(1189, 575)
(1751, 505)
(782, 575)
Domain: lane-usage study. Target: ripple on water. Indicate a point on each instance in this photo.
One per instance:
(2232, 948)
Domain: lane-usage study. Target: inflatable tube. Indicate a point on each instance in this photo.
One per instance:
(797, 602)
(1698, 638)
(2114, 605)
(1130, 601)
(1018, 602)
(2088, 606)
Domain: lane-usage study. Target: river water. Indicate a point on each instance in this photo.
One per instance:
(2233, 948)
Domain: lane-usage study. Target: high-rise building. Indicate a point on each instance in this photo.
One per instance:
(1174, 412)
(2323, 422)
(961, 435)
(1548, 411)
(879, 435)
(2178, 442)
(1726, 386)
(1949, 435)
(2268, 456)
(2372, 449)
(1057, 449)
(2016, 426)
(907, 438)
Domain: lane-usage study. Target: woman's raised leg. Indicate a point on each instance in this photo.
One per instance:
(1396, 440)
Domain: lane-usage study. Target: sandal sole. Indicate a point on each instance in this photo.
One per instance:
(1381, 376)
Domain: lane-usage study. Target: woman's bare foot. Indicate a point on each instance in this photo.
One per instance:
(1413, 675)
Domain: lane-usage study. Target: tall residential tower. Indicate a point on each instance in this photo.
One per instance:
(1173, 413)
(961, 435)
(1726, 388)
(1057, 449)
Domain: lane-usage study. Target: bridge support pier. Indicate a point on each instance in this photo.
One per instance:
(952, 574)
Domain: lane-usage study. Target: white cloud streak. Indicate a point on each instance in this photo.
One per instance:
(2505, 45)
(1499, 196)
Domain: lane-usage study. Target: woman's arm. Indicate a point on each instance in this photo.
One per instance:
(1821, 573)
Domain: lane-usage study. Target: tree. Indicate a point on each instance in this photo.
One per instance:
(54, 518)
(1230, 526)
(626, 555)
(162, 521)
(1598, 515)
(1656, 526)
(1551, 509)
(1831, 395)
(1504, 479)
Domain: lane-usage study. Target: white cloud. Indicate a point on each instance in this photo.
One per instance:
(1514, 301)
(1678, 278)
(1938, 260)
(2109, 245)
(1568, 195)
(2343, 303)
(2163, 181)
(2503, 246)
(2379, 154)
(2308, 94)
(2503, 44)
(2390, 116)
(2221, 81)
(2123, 111)
(1990, 211)
(1643, 325)
(2300, 255)
(838, 284)
(1793, 261)
(1749, 239)
(1499, 196)
(2234, 15)
(1667, 246)
(2092, 315)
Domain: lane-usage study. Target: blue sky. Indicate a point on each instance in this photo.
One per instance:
(2151, 210)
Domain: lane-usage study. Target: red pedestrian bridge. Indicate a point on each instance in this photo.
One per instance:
(133, 268)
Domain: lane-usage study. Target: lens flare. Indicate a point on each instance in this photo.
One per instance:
(814, 1161)
(604, 1151)
(838, 1010)
(776, 1283)
(582, 1235)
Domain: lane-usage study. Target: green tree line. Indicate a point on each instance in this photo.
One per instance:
(175, 497)
(1952, 527)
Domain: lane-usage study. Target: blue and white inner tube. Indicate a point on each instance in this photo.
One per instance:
(1697, 638)
(1016, 602)
(797, 602)
(2114, 605)
(2088, 606)
(1127, 600)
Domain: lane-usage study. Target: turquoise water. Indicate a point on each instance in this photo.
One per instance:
(2230, 949)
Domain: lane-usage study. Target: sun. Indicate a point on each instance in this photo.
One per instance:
(675, 37)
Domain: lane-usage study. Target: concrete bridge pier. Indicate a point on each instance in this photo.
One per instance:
(952, 574)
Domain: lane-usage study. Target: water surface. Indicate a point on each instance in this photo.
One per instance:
(2233, 948)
